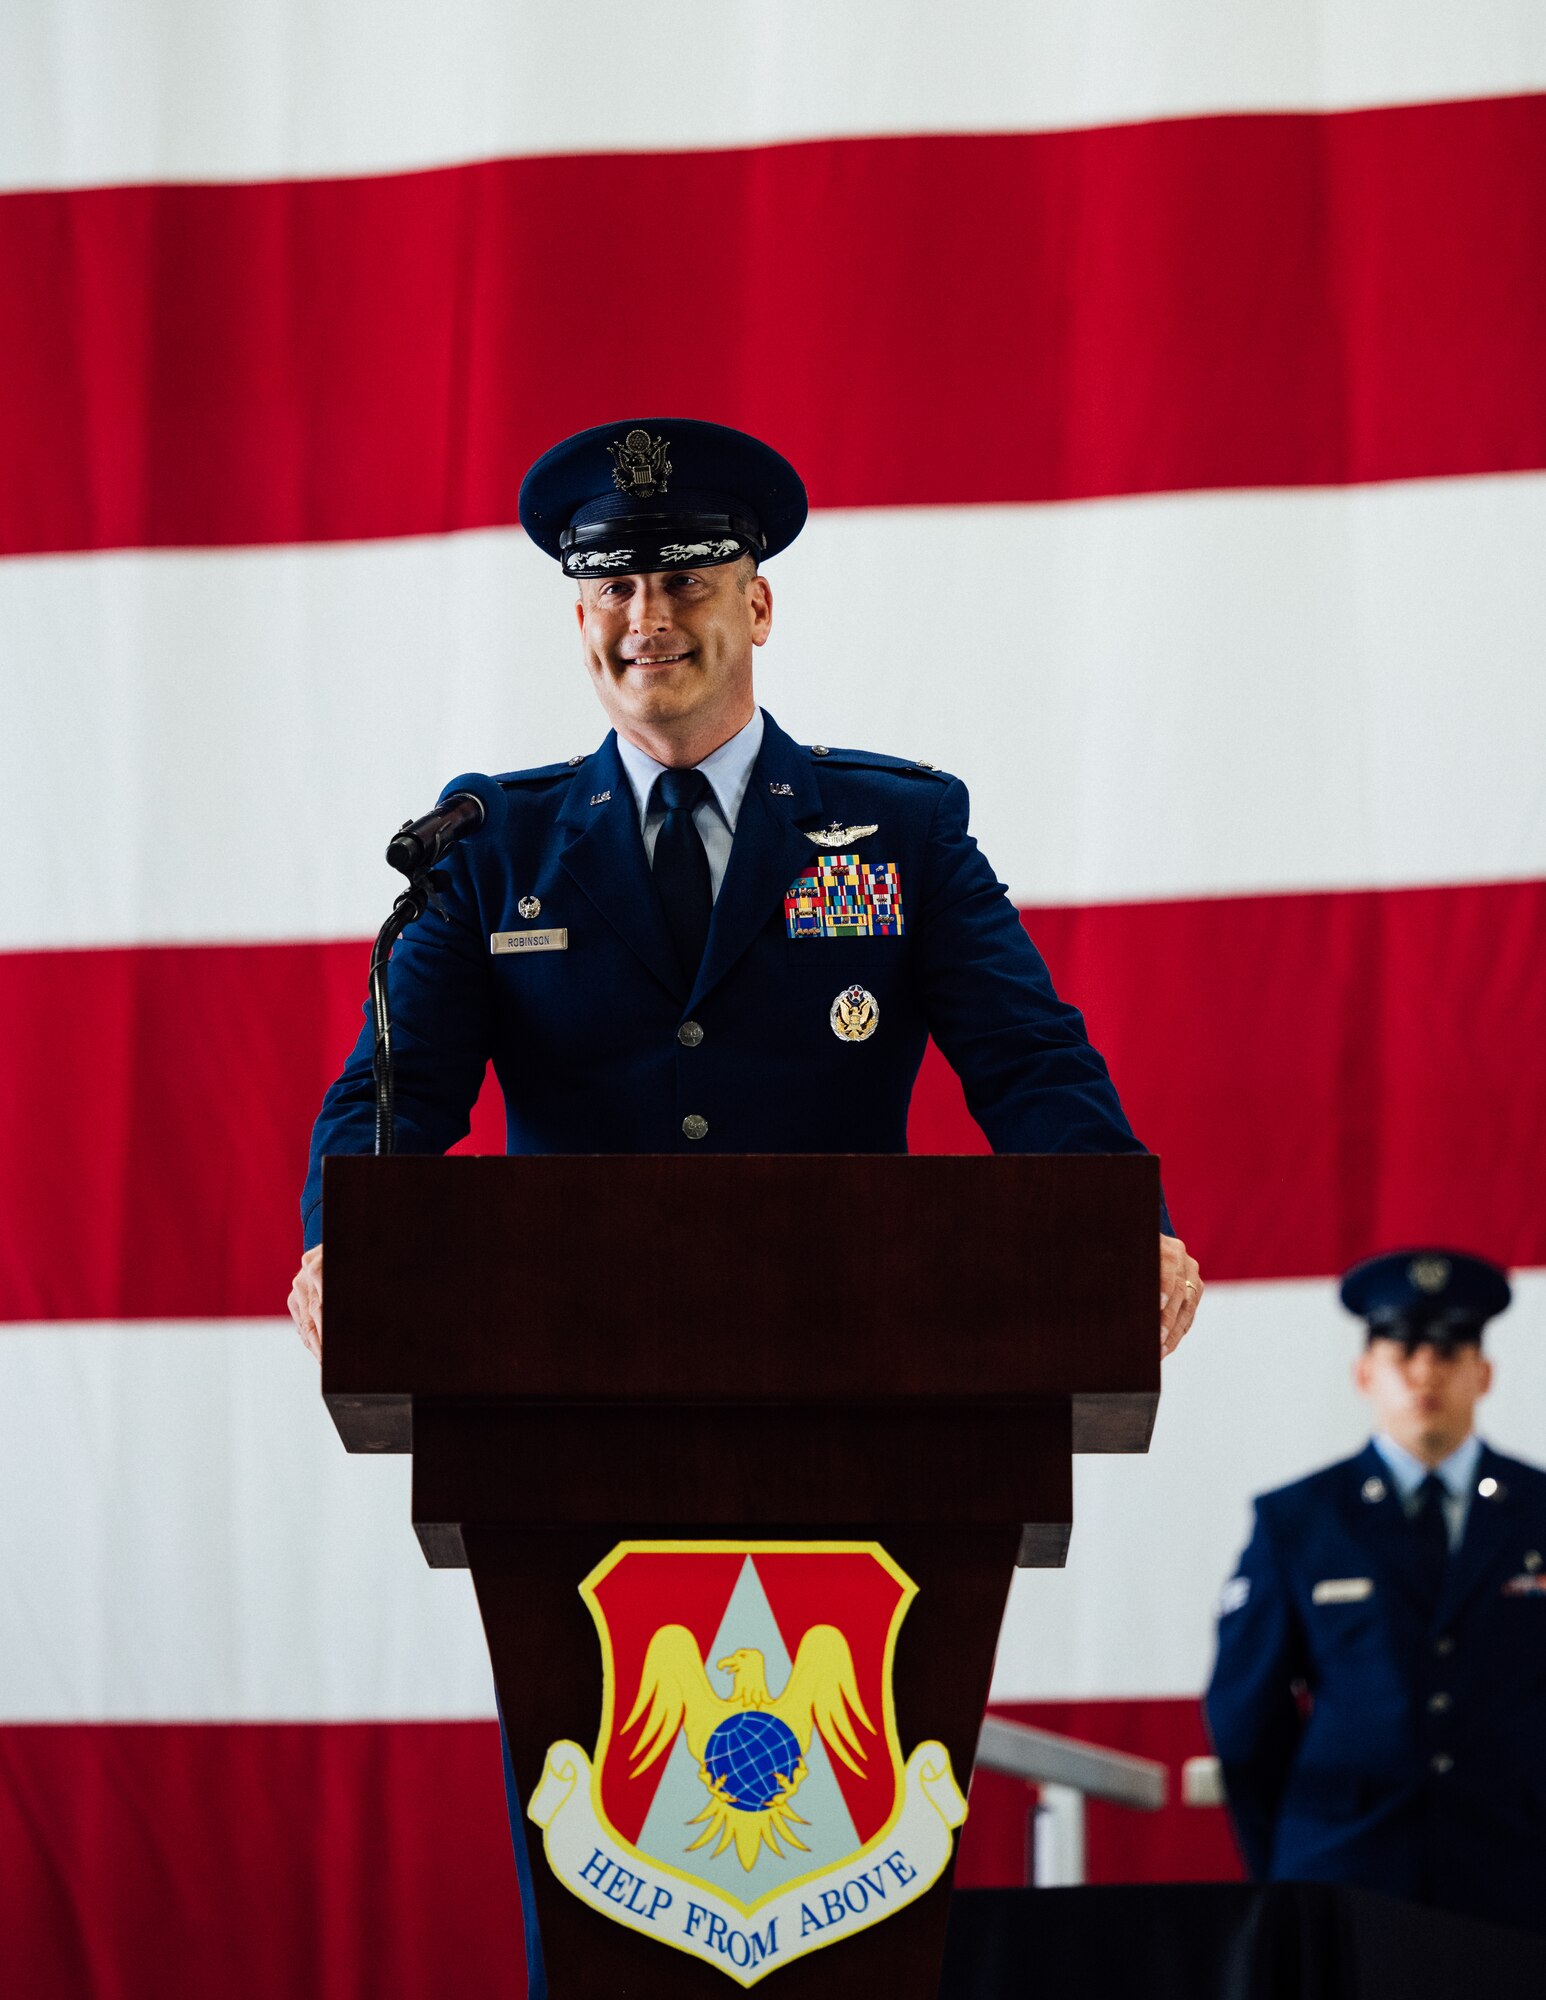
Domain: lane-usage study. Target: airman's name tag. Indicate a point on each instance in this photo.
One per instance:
(528, 941)
(1342, 1590)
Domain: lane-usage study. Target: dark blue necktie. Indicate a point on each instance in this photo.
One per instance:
(681, 866)
(1432, 1531)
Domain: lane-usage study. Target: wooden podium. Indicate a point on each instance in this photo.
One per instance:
(582, 1351)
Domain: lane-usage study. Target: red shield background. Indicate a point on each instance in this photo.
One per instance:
(691, 1585)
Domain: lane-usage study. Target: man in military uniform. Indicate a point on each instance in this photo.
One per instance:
(704, 936)
(1379, 1699)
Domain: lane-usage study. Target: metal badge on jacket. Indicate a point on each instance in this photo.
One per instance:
(507, 941)
(854, 1014)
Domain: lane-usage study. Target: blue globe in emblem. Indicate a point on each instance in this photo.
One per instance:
(748, 1753)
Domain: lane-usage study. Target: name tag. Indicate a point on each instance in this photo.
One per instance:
(502, 941)
(1342, 1590)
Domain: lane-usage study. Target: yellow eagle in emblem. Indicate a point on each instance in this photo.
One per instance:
(750, 1746)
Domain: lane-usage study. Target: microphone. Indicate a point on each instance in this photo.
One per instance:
(469, 805)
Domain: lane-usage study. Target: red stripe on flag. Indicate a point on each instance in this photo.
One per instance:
(175, 1862)
(1264, 300)
(153, 1138)
(1322, 1074)
(324, 1861)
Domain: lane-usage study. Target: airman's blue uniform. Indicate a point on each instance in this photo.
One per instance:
(601, 1046)
(854, 917)
(1379, 1711)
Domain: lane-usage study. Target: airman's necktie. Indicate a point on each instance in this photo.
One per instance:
(1432, 1531)
(681, 866)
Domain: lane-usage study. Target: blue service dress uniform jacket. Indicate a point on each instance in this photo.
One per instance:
(1369, 1733)
(603, 1048)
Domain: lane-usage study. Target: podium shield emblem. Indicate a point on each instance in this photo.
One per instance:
(749, 1800)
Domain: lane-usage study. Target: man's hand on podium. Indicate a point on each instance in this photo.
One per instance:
(306, 1301)
(1180, 1292)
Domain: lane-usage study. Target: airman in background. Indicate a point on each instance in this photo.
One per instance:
(1378, 1703)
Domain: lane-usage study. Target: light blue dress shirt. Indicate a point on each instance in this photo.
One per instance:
(728, 770)
(1458, 1472)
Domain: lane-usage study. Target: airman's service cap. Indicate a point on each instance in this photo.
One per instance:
(660, 493)
(1419, 1296)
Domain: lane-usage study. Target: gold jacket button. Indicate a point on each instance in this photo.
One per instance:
(694, 1126)
(689, 1035)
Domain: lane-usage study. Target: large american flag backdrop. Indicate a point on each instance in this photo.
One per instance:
(1171, 388)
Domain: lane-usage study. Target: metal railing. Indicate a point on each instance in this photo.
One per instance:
(1066, 1772)
(1202, 1782)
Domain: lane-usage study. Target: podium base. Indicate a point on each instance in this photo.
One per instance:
(547, 1670)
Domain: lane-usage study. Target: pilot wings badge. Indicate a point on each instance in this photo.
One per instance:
(748, 1802)
(840, 836)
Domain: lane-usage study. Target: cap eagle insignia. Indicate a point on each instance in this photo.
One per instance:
(750, 1746)
(640, 465)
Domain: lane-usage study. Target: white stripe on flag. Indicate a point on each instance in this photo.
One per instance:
(189, 1541)
(1259, 1395)
(1149, 698)
(174, 90)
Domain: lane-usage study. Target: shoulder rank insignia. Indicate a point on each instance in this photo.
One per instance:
(841, 836)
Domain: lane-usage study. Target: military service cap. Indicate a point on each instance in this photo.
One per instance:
(660, 493)
(1419, 1296)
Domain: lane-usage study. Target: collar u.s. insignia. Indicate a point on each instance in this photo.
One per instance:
(749, 1801)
